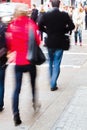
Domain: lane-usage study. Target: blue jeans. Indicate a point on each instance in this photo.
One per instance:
(78, 34)
(19, 70)
(55, 57)
(2, 85)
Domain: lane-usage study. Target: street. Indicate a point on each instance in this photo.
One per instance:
(56, 111)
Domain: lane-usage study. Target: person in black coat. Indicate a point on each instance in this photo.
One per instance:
(41, 13)
(34, 13)
(56, 24)
(86, 17)
(3, 60)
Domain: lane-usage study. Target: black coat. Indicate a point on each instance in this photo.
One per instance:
(34, 14)
(3, 58)
(55, 23)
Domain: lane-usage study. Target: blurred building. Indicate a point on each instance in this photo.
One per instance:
(23, 1)
(38, 2)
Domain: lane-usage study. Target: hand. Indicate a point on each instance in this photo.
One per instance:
(11, 57)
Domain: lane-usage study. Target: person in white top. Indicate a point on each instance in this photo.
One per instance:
(78, 21)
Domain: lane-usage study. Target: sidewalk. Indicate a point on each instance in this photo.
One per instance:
(64, 109)
(74, 116)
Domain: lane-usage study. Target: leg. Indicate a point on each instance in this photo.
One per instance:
(75, 36)
(15, 102)
(50, 53)
(80, 37)
(2, 81)
(56, 68)
(86, 25)
(86, 22)
(32, 71)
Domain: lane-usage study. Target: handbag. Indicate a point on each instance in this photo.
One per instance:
(34, 53)
(66, 42)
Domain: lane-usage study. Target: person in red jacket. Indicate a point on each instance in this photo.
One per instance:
(17, 38)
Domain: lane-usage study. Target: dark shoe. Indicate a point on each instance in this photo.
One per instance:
(17, 120)
(53, 89)
(1, 109)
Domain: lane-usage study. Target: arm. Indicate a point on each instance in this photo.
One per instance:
(36, 32)
(70, 25)
(41, 22)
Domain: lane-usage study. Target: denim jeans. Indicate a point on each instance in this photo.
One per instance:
(78, 34)
(2, 85)
(55, 57)
(19, 70)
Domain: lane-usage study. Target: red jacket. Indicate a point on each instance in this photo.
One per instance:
(17, 38)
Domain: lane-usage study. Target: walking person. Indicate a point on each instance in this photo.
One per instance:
(41, 12)
(34, 13)
(55, 23)
(3, 60)
(85, 17)
(78, 21)
(17, 38)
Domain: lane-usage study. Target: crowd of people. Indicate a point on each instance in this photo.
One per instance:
(55, 22)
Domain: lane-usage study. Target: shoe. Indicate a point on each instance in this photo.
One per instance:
(36, 106)
(1, 109)
(17, 120)
(53, 89)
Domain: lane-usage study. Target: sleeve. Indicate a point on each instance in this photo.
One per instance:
(41, 22)
(36, 32)
(69, 23)
(9, 37)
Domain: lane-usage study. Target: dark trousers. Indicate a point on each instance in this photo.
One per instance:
(19, 70)
(2, 85)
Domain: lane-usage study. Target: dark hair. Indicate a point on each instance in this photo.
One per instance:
(55, 3)
(34, 5)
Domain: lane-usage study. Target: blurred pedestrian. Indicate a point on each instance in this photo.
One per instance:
(55, 23)
(85, 17)
(41, 13)
(3, 60)
(34, 13)
(70, 11)
(17, 38)
(78, 21)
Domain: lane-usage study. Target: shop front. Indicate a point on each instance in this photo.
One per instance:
(23, 1)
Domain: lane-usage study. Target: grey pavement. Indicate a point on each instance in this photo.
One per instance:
(74, 116)
(64, 109)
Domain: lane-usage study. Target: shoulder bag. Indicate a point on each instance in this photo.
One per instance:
(34, 54)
